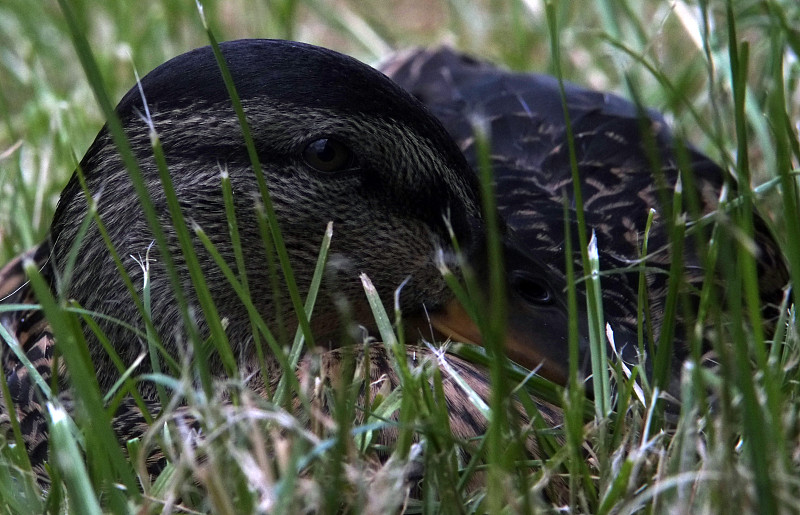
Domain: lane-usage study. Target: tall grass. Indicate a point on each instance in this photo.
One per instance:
(726, 74)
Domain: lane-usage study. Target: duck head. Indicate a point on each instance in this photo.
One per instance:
(337, 140)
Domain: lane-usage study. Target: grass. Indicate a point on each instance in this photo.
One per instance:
(726, 74)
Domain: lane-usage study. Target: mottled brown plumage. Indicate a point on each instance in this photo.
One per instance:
(399, 188)
(628, 161)
(387, 205)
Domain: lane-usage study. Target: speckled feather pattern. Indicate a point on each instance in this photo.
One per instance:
(628, 164)
(387, 214)
(376, 208)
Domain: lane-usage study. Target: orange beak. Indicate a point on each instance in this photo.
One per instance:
(527, 341)
(537, 324)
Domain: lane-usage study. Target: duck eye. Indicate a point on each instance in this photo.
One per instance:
(531, 289)
(328, 155)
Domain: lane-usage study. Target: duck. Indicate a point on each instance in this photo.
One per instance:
(337, 142)
(630, 165)
(373, 369)
(390, 159)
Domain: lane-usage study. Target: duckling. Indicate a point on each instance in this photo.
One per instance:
(628, 164)
(337, 141)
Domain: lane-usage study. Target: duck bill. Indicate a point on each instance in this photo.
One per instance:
(527, 340)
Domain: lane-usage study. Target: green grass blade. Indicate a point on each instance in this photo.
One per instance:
(67, 457)
(266, 199)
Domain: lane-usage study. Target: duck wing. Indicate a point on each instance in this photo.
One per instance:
(30, 334)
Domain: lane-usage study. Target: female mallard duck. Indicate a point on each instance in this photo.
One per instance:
(339, 141)
(628, 164)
